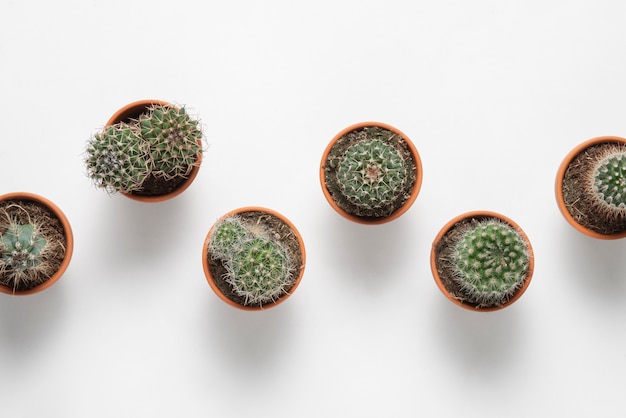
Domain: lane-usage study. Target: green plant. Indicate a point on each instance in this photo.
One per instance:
(490, 262)
(608, 182)
(163, 142)
(23, 250)
(258, 268)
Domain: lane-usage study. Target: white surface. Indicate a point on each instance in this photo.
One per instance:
(492, 93)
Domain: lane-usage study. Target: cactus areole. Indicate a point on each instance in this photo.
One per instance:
(591, 187)
(482, 261)
(371, 173)
(253, 258)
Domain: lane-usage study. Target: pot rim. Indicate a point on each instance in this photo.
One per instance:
(209, 276)
(69, 240)
(414, 192)
(481, 214)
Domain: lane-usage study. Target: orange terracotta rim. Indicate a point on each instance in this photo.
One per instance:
(481, 214)
(416, 187)
(211, 280)
(132, 111)
(69, 241)
(558, 187)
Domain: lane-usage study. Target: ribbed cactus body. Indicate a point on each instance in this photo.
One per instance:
(371, 173)
(490, 261)
(118, 159)
(21, 248)
(174, 140)
(609, 181)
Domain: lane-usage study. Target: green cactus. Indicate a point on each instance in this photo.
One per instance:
(118, 159)
(174, 138)
(23, 250)
(609, 181)
(490, 262)
(259, 271)
(370, 172)
(258, 268)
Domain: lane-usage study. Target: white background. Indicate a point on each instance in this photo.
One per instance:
(493, 94)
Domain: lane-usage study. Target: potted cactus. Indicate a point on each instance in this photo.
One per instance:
(482, 261)
(36, 243)
(371, 173)
(149, 151)
(590, 187)
(253, 258)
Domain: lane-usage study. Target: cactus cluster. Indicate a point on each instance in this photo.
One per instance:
(23, 250)
(608, 184)
(491, 262)
(164, 142)
(370, 172)
(258, 268)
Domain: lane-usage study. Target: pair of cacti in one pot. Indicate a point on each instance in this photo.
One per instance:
(36, 243)
(253, 258)
(590, 187)
(149, 151)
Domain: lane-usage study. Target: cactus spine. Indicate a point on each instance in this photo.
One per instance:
(491, 261)
(608, 184)
(258, 268)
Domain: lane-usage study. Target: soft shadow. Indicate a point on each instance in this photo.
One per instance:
(29, 322)
(484, 343)
(597, 266)
(249, 343)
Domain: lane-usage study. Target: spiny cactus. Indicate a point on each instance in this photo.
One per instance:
(118, 159)
(163, 142)
(23, 249)
(258, 268)
(174, 140)
(370, 172)
(609, 181)
(490, 262)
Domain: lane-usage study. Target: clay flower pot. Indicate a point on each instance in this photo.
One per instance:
(482, 261)
(154, 187)
(575, 195)
(36, 243)
(370, 173)
(253, 258)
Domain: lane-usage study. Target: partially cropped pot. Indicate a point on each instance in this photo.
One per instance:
(371, 173)
(482, 261)
(36, 243)
(148, 183)
(590, 187)
(253, 258)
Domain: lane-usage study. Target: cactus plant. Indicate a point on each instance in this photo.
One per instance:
(482, 260)
(370, 172)
(253, 258)
(150, 153)
(591, 187)
(35, 243)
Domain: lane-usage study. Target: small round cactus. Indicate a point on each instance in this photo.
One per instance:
(609, 182)
(151, 154)
(118, 159)
(370, 171)
(490, 262)
(174, 140)
(253, 258)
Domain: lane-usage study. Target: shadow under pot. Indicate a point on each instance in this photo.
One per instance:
(36, 243)
(370, 173)
(253, 258)
(590, 187)
(482, 261)
(149, 151)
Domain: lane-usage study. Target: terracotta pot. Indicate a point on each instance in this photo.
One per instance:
(397, 213)
(69, 240)
(559, 186)
(434, 260)
(209, 275)
(133, 111)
